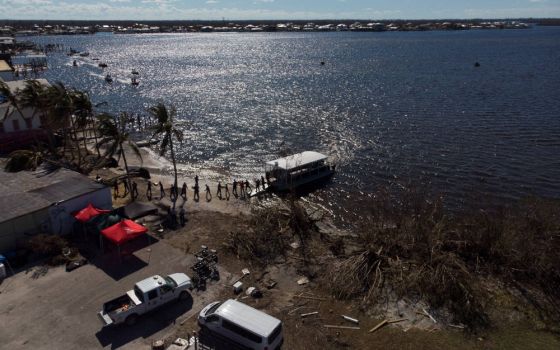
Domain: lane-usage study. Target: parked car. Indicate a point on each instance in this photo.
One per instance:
(243, 325)
(147, 295)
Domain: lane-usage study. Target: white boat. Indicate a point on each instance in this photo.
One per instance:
(289, 173)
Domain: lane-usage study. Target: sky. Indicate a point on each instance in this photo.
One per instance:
(275, 9)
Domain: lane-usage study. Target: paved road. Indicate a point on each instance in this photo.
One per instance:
(59, 310)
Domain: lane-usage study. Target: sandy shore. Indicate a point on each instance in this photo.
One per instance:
(161, 170)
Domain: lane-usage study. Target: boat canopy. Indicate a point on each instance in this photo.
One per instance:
(297, 160)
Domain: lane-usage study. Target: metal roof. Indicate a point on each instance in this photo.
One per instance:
(16, 85)
(248, 317)
(150, 283)
(297, 160)
(27, 191)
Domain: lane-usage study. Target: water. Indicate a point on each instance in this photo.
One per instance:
(389, 108)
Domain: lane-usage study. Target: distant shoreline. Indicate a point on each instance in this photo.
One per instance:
(70, 27)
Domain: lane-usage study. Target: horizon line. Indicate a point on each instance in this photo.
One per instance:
(286, 19)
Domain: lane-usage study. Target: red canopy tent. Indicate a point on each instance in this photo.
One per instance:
(89, 212)
(124, 231)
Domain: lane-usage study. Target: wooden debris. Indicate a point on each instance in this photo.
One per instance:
(430, 316)
(339, 327)
(302, 281)
(381, 324)
(348, 318)
(460, 326)
(398, 320)
(310, 313)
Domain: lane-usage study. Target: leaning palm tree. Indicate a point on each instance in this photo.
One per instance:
(166, 129)
(34, 96)
(114, 135)
(83, 114)
(60, 111)
(17, 102)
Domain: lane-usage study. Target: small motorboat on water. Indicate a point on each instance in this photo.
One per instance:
(84, 54)
(134, 81)
(75, 64)
(102, 65)
(134, 72)
(108, 78)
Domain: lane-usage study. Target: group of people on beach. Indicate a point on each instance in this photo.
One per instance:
(239, 189)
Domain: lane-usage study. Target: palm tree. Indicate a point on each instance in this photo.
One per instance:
(60, 111)
(166, 129)
(16, 100)
(114, 135)
(33, 96)
(83, 114)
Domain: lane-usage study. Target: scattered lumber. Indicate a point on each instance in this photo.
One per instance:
(340, 327)
(398, 320)
(430, 316)
(348, 318)
(379, 325)
(309, 314)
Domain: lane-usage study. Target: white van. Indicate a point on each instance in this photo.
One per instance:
(242, 324)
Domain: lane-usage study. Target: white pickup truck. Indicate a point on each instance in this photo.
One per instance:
(146, 296)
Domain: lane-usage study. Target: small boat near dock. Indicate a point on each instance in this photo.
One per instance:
(294, 171)
(102, 65)
(108, 78)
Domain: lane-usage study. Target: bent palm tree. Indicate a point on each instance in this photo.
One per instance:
(83, 114)
(34, 96)
(165, 128)
(114, 135)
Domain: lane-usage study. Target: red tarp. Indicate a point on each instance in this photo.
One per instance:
(124, 231)
(88, 212)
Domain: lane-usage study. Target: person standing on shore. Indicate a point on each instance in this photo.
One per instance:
(257, 184)
(172, 193)
(234, 190)
(262, 182)
(227, 192)
(242, 188)
(161, 191)
(149, 191)
(196, 194)
(247, 187)
(208, 193)
(184, 191)
(219, 192)
(196, 179)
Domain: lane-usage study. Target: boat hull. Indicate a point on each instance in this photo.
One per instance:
(307, 181)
